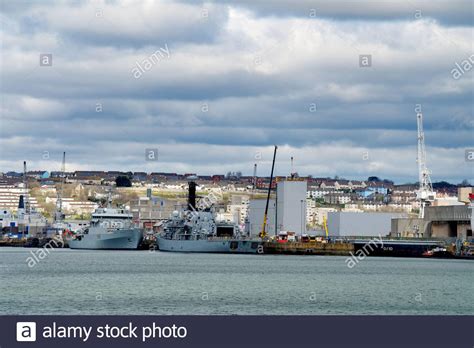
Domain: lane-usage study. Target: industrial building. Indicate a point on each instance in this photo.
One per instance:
(291, 204)
(411, 227)
(151, 210)
(353, 224)
(449, 221)
(439, 222)
(255, 216)
(290, 213)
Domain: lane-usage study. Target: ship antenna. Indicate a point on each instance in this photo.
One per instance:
(25, 187)
(109, 199)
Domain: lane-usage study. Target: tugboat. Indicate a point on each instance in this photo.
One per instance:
(196, 230)
(110, 228)
(437, 252)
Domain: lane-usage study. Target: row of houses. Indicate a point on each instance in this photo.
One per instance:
(10, 197)
(323, 183)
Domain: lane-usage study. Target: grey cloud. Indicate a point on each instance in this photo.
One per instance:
(116, 23)
(250, 105)
(454, 12)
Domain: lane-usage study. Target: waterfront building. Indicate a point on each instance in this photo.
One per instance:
(10, 196)
(255, 217)
(291, 205)
(351, 224)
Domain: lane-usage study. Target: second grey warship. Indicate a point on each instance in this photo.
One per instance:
(196, 230)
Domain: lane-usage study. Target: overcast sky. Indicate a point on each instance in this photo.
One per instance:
(228, 81)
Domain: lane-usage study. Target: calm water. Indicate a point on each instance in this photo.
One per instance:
(143, 282)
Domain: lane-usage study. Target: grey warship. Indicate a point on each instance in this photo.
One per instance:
(110, 228)
(196, 230)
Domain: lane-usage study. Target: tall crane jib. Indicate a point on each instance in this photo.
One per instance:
(254, 179)
(59, 215)
(263, 233)
(425, 193)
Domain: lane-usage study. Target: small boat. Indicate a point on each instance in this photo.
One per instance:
(436, 252)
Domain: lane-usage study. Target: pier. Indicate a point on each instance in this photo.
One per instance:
(309, 248)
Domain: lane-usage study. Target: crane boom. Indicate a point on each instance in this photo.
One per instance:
(59, 200)
(63, 179)
(263, 233)
(254, 179)
(425, 192)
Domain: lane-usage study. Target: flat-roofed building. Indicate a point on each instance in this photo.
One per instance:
(352, 224)
(255, 217)
(291, 203)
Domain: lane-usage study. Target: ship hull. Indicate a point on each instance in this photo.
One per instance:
(231, 246)
(120, 239)
(399, 248)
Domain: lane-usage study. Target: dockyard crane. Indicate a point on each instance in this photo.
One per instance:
(58, 216)
(325, 224)
(425, 194)
(254, 180)
(263, 233)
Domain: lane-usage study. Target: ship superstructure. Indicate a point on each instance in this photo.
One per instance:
(196, 230)
(110, 228)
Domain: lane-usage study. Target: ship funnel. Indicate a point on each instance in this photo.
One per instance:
(21, 203)
(192, 195)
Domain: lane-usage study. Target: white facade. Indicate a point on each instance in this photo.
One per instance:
(10, 197)
(239, 209)
(315, 215)
(291, 202)
(255, 217)
(447, 201)
(71, 206)
(322, 213)
(349, 224)
(318, 193)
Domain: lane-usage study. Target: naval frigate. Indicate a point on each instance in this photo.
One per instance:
(110, 228)
(196, 230)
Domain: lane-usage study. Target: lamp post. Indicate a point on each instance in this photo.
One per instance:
(302, 217)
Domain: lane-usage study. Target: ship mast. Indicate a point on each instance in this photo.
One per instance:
(109, 198)
(425, 193)
(25, 186)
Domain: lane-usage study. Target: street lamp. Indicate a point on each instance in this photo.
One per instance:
(302, 217)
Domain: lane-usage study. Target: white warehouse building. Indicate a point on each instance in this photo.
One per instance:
(291, 206)
(255, 216)
(351, 224)
(290, 213)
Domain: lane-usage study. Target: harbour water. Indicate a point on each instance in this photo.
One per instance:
(144, 282)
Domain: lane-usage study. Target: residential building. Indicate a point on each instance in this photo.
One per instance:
(10, 197)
